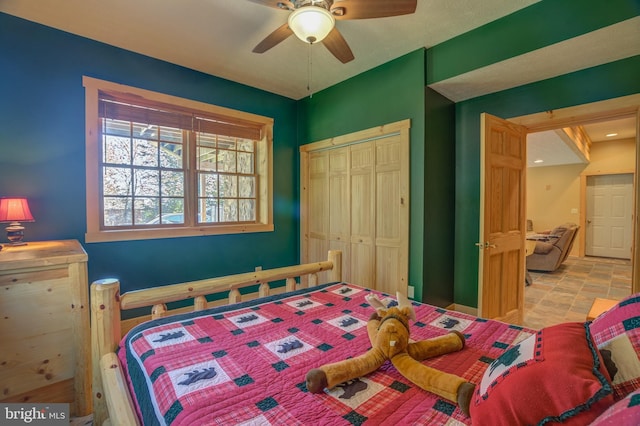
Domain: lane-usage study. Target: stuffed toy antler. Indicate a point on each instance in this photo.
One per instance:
(388, 330)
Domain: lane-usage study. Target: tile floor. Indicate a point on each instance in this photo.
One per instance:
(567, 293)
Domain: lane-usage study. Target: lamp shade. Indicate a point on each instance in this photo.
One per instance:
(311, 24)
(15, 210)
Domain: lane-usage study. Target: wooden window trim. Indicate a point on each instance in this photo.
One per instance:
(264, 164)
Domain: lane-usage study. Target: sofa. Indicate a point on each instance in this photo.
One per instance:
(552, 248)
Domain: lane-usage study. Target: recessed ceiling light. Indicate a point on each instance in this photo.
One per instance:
(538, 161)
(610, 135)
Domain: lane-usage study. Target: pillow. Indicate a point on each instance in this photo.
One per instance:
(556, 375)
(618, 330)
(624, 412)
(543, 247)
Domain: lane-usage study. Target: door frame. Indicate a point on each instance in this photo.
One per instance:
(610, 109)
(582, 237)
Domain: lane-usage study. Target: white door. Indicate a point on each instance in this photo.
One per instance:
(609, 215)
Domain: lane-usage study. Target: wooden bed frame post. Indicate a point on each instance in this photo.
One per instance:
(105, 322)
(335, 256)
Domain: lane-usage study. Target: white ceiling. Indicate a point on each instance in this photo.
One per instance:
(624, 128)
(216, 37)
(608, 44)
(553, 150)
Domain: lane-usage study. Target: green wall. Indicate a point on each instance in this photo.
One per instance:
(391, 92)
(42, 154)
(594, 84)
(542, 24)
(439, 203)
(42, 139)
(534, 27)
(42, 148)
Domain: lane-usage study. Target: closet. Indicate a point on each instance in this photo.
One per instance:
(355, 198)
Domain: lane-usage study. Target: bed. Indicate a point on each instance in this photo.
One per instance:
(245, 362)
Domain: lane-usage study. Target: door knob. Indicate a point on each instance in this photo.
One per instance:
(485, 245)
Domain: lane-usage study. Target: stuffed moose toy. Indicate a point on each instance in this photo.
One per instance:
(388, 330)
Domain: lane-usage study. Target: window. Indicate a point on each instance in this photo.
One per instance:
(159, 166)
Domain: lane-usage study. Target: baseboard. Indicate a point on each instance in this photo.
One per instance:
(464, 309)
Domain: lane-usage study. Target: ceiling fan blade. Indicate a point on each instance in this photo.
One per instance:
(279, 35)
(366, 9)
(338, 46)
(278, 4)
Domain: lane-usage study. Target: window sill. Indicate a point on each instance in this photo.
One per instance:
(157, 233)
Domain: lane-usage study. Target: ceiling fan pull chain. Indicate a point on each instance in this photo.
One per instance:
(309, 73)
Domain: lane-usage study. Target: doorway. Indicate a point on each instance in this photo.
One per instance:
(560, 184)
(626, 107)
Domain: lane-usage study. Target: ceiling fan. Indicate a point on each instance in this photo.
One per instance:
(313, 21)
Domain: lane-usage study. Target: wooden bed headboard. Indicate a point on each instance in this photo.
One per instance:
(111, 400)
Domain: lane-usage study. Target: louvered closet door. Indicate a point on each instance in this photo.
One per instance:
(318, 203)
(355, 191)
(391, 222)
(363, 214)
(339, 206)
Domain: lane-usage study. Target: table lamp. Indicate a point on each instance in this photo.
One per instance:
(15, 210)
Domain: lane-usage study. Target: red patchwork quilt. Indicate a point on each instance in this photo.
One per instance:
(245, 364)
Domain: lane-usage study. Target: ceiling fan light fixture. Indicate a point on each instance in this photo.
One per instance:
(311, 24)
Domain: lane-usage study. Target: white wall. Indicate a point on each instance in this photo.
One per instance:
(553, 192)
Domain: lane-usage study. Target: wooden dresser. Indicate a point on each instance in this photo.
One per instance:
(44, 325)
